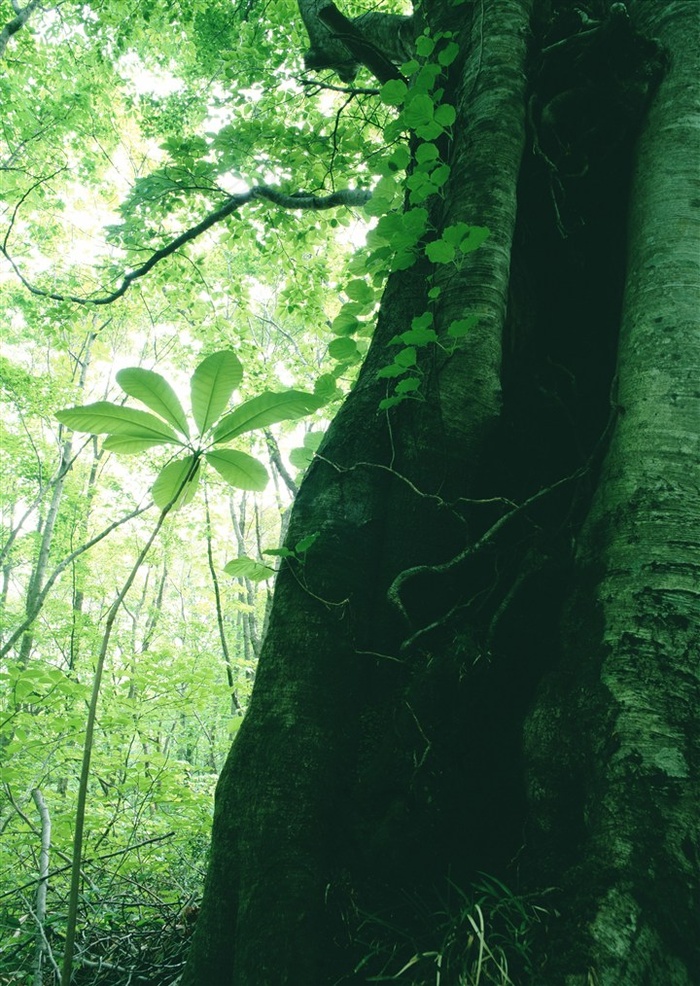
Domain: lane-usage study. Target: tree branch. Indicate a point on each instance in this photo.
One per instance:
(276, 460)
(87, 862)
(13, 26)
(317, 86)
(298, 200)
(377, 40)
(359, 45)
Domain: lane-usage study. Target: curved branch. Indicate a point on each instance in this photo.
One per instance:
(298, 200)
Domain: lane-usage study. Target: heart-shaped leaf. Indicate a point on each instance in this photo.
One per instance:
(247, 568)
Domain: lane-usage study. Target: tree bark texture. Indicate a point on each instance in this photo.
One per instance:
(617, 724)
(487, 661)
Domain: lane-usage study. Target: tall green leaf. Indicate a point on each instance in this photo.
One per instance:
(212, 384)
(155, 392)
(266, 409)
(128, 444)
(172, 478)
(239, 469)
(103, 417)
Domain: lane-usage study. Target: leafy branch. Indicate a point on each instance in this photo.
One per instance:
(299, 200)
(315, 86)
(12, 27)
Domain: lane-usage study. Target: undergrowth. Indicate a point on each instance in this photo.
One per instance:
(483, 936)
(133, 931)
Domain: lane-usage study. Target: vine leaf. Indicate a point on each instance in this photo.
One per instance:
(462, 326)
(248, 568)
(343, 348)
(302, 456)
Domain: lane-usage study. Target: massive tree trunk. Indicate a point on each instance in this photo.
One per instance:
(487, 661)
(616, 723)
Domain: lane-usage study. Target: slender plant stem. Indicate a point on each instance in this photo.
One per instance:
(42, 885)
(235, 703)
(87, 750)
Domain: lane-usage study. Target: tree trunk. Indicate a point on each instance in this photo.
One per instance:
(33, 594)
(616, 724)
(484, 663)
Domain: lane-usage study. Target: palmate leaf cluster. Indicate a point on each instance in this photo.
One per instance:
(130, 430)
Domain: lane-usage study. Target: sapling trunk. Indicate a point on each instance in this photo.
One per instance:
(89, 732)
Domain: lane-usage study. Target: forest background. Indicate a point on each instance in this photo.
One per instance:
(124, 125)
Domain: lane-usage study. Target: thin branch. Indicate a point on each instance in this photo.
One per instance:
(235, 702)
(88, 862)
(42, 946)
(39, 601)
(315, 86)
(394, 591)
(450, 505)
(299, 200)
(46, 946)
(80, 811)
(276, 460)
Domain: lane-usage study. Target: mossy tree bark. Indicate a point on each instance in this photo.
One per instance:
(488, 659)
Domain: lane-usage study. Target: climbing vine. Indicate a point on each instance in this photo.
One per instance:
(413, 173)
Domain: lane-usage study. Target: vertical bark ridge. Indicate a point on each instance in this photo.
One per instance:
(618, 727)
(485, 156)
